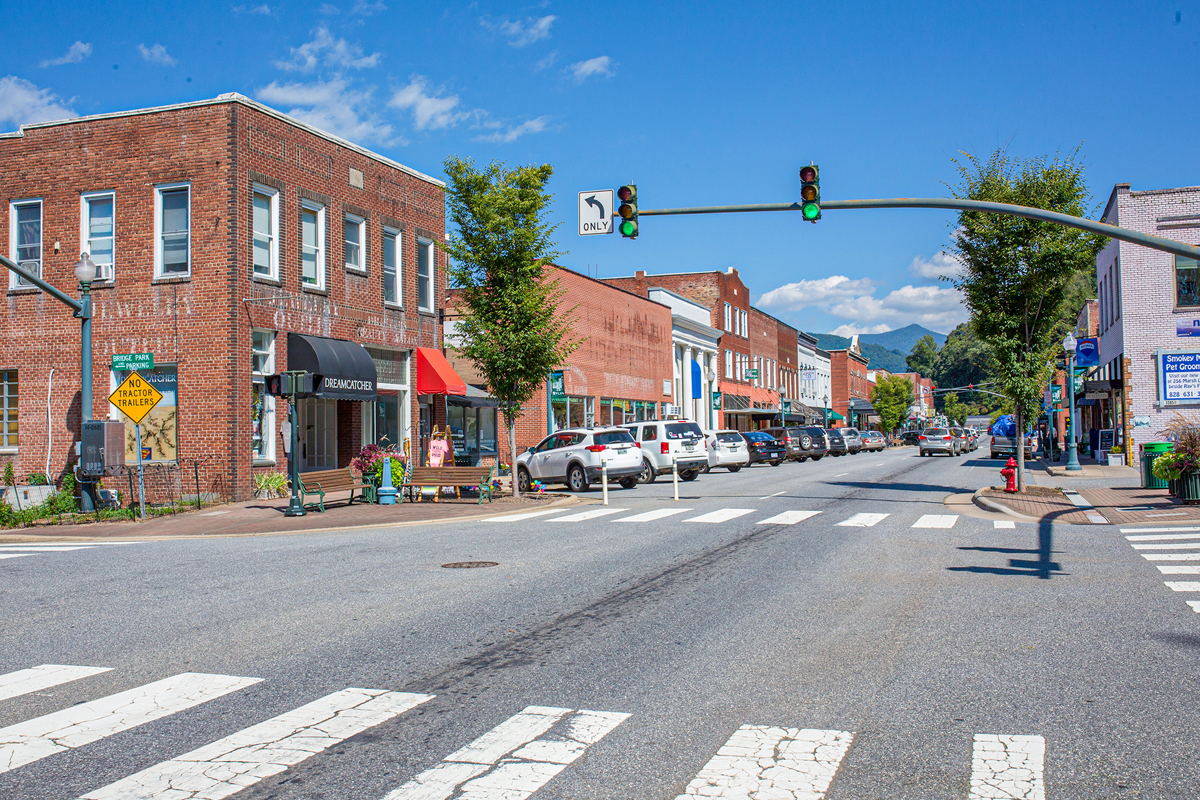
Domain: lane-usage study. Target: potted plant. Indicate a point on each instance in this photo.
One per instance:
(269, 485)
(370, 461)
(1116, 457)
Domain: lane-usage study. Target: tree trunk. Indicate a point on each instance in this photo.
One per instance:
(1020, 450)
(512, 449)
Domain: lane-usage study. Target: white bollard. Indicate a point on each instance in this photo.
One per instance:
(675, 476)
(604, 478)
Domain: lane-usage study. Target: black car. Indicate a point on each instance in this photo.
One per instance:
(764, 447)
(910, 437)
(837, 445)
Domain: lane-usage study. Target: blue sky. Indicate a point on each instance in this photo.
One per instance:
(698, 103)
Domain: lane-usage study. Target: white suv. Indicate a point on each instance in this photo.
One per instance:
(662, 440)
(573, 456)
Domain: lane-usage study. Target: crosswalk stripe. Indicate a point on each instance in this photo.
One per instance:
(863, 520)
(658, 513)
(1165, 545)
(936, 521)
(43, 548)
(26, 681)
(1178, 570)
(14, 555)
(1003, 524)
(586, 515)
(524, 515)
(1157, 530)
(721, 515)
(1183, 586)
(1195, 604)
(767, 761)
(35, 739)
(1164, 537)
(789, 518)
(243, 759)
(1004, 767)
(1171, 556)
(58, 546)
(514, 759)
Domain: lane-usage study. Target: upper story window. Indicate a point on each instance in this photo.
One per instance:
(745, 323)
(25, 238)
(728, 314)
(1187, 281)
(391, 268)
(172, 230)
(266, 232)
(312, 245)
(97, 231)
(425, 275)
(356, 238)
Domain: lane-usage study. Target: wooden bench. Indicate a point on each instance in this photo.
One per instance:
(325, 481)
(421, 477)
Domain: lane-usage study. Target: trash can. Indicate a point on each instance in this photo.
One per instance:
(1150, 452)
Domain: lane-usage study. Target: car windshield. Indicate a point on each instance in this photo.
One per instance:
(935, 432)
(613, 437)
(758, 436)
(729, 437)
(834, 432)
(684, 430)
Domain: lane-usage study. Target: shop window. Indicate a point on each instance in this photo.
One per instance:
(25, 239)
(97, 231)
(574, 412)
(8, 422)
(472, 432)
(262, 414)
(172, 235)
(160, 429)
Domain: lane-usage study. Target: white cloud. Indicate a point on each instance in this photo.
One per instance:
(819, 293)
(430, 111)
(546, 62)
(156, 55)
(334, 107)
(514, 132)
(77, 52)
(524, 33)
(601, 65)
(851, 329)
(941, 264)
(263, 10)
(328, 50)
(935, 307)
(367, 9)
(22, 103)
(329, 8)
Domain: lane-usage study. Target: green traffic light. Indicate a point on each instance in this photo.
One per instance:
(628, 228)
(811, 211)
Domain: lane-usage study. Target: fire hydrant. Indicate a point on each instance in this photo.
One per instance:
(1009, 473)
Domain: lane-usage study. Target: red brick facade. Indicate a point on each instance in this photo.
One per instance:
(849, 379)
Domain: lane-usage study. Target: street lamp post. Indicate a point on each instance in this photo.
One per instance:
(85, 271)
(1069, 349)
(826, 409)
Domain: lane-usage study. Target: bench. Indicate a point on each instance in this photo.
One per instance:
(324, 481)
(421, 477)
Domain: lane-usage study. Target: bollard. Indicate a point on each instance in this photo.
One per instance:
(675, 476)
(604, 478)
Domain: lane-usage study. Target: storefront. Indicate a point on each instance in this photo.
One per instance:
(435, 378)
(347, 375)
(471, 419)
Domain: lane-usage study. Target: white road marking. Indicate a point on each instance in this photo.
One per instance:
(1195, 604)
(76, 726)
(40, 545)
(768, 497)
(881, 463)
(243, 759)
(840, 474)
(789, 518)
(721, 515)
(1157, 530)
(586, 515)
(761, 761)
(30, 549)
(1167, 514)
(524, 515)
(514, 759)
(1177, 570)
(1166, 546)
(14, 555)
(1165, 537)
(863, 520)
(1183, 586)
(658, 513)
(1003, 524)
(25, 681)
(1171, 556)
(936, 521)
(1076, 498)
(1096, 518)
(1007, 768)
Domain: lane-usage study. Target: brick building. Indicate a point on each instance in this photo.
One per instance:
(232, 242)
(922, 408)
(621, 372)
(848, 379)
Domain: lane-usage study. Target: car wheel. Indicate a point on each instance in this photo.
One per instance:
(523, 481)
(817, 458)
(647, 474)
(690, 475)
(801, 459)
(734, 468)
(994, 455)
(628, 483)
(577, 479)
(706, 468)
(776, 463)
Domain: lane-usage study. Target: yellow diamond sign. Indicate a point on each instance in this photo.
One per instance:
(134, 397)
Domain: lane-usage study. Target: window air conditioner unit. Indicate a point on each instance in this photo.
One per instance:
(670, 410)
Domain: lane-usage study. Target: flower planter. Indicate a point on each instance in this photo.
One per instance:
(1189, 488)
(1173, 487)
(1116, 459)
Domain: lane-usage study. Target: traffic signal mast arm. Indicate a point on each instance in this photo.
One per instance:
(1111, 231)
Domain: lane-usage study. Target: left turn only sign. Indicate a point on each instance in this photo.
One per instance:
(595, 212)
(134, 397)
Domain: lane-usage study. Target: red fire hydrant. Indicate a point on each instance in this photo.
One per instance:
(1009, 473)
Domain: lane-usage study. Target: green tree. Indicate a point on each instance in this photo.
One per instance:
(892, 397)
(955, 411)
(1016, 271)
(510, 326)
(922, 357)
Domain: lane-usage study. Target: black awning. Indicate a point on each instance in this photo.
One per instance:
(347, 370)
(474, 398)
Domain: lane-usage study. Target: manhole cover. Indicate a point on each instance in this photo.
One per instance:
(470, 564)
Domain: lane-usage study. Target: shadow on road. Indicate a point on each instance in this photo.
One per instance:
(1042, 568)
(900, 487)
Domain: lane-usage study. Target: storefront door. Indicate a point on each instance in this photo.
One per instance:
(318, 434)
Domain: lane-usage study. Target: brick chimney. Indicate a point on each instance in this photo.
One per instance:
(641, 273)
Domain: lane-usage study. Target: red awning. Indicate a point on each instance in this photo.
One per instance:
(435, 375)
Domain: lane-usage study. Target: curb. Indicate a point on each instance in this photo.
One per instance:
(987, 504)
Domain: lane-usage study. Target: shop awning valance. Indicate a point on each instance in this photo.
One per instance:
(473, 398)
(347, 370)
(835, 416)
(436, 376)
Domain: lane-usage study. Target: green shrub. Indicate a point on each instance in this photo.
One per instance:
(38, 479)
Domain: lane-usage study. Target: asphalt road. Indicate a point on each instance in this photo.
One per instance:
(877, 660)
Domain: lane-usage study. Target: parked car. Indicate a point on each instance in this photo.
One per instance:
(834, 441)
(962, 440)
(820, 442)
(764, 447)
(662, 440)
(937, 440)
(573, 456)
(873, 440)
(801, 443)
(910, 437)
(726, 449)
(853, 440)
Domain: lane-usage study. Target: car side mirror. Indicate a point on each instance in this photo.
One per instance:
(529, 450)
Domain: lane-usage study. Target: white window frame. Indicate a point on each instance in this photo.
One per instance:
(397, 238)
(256, 376)
(104, 272)
(273, 234)
(422, 242)
(361, 224)
(159, 191)
(728, 364)
(728, 314)
(9, 442)
(745, 317)
(319, 210)
(14, 280)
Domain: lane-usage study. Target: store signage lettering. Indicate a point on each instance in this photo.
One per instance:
(1187, 327)
(134, 397)
(348, 384)
(558, 388)
(1179, 377)
(126, 362)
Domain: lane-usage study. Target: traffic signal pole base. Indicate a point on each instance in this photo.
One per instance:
(295, 509)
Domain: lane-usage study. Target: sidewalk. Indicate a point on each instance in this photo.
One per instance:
(266, 517)
(1045, 506)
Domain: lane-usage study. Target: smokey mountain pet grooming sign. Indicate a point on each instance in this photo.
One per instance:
(1178, 377)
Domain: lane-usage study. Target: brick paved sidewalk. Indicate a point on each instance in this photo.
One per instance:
(1052, 508)
(266, 516)
(1134, 505)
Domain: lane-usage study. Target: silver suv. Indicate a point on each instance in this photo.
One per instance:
(664, 440)
(575, 456)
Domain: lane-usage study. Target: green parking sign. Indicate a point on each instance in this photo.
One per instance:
(128, 362)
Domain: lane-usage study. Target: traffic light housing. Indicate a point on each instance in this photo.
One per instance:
(810, 192)
(628, 211)
(275, 385)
